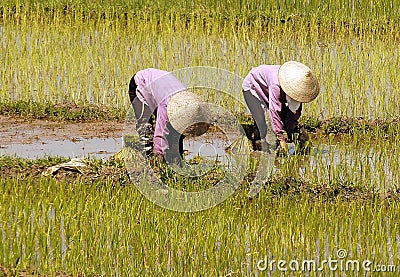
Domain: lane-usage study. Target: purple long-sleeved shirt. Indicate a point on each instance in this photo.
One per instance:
(154, 88)
(263, 81)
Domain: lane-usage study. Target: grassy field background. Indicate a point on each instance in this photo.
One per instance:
(85, 53)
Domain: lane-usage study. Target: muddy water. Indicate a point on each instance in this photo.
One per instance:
(94, 147)
(212, 149)
(105, 147)
(39, 138)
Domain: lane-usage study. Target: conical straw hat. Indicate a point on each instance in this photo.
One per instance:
(298, 81)
(188, 113)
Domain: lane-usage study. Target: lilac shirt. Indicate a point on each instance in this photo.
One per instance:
(263, 81)
(154, 88)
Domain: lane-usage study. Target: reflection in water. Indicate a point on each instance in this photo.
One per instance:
(213, 150)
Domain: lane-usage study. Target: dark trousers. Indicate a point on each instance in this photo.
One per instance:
(258, 113)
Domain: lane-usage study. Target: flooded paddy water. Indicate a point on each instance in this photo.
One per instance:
(376, 166)
(101, 148)
(38, 139)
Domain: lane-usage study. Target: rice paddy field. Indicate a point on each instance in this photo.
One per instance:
(333, 212)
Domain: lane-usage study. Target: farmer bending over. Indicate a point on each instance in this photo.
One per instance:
(281, 89)
(178, 113)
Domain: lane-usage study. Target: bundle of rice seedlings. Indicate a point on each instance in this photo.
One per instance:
(241, 146)
(126, 153)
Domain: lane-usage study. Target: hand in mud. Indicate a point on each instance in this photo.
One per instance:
(283, 148)
(304, 143)
(262, 145)
(283, 145)
(303, 136)
(282, 138)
